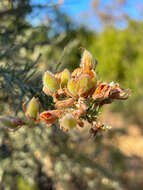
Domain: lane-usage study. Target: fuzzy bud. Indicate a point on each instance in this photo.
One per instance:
(84, 84)
(72, 87)
(77, 72)
(11, 122)
(65, 78)
(68, 122)
(32, 109)
(87, 62)
(50, 82)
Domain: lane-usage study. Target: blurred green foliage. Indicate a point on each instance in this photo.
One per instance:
(22, 185)
(120, 58)
(41, 158)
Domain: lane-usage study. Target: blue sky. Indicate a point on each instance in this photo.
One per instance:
(73, 7)
(76, 9)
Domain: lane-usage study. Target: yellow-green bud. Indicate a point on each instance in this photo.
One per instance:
(87, 61)
(68, 122)
(84, 84)
(72, 87)
(11, 122)
(32, 109)
(50, 82)
(65, 78)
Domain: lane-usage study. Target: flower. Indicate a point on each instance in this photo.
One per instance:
(49, 117)
(110, 92)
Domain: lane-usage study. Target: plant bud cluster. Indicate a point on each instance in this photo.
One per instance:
(78, 97)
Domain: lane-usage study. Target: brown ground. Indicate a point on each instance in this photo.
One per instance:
(130, 144)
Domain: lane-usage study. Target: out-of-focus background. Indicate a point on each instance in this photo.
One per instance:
(37, 35)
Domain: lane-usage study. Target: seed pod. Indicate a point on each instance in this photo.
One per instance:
(65, 78)
(68, 122)
(87, 62)
(50, 82)
(32, 109)
(11, 122)
(72, 87)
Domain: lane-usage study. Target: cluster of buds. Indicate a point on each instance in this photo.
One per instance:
(77, 96)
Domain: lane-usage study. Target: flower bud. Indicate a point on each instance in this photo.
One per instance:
(84, 84)
(65, 78)
(77, 72)
(46, 91)
(68, 122)
(50, 82)
(117, 92)
(87, 62)
(102, 92)
(65, 103)
(11, 122)
(32, 109)
(72, 87)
